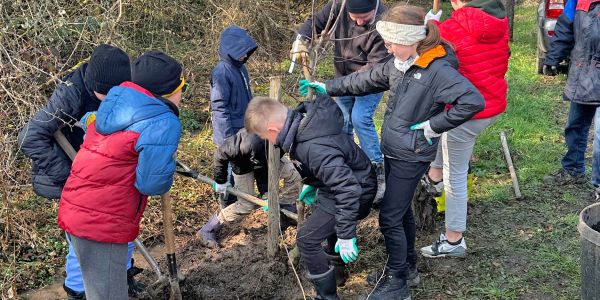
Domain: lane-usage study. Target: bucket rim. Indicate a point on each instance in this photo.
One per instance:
(585, 230)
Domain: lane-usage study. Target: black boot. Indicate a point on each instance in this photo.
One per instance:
(73, 295)
(135, 288)
(390, 287)
(341, 272)
(413, 279)
(325, 285)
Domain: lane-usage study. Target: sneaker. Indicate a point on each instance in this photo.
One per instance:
(442, 248)
(435, 189)
(380, 182)
(412, 280)
(563, 177)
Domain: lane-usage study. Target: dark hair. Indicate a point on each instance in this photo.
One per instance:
(414, 15)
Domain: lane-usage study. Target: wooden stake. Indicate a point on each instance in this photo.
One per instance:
(511, 167)
(273, 170)
(436, 6)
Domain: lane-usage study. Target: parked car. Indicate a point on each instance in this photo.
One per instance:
(548, 13)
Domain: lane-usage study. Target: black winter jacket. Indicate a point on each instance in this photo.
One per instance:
(329, 160)
(50, 164)
(577, 33)
(356, 47)
(417, 96)
(246, 153)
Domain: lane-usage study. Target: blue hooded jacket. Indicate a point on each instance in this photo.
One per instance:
(133, 109)
(230, 84)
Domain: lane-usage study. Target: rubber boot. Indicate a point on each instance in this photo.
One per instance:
(325, 285)
(73, 295)
(209, 232)
(135, 288)
(341, 272)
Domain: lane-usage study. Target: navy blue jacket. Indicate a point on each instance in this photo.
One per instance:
(577, 33)
(50, 164)
(230, 84)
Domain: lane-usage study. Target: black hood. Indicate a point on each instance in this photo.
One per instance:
(323, 117)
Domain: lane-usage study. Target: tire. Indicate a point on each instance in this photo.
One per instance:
(539, 60)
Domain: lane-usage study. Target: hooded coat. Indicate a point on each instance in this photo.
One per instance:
(577, 33)
(330, 161)
(479, 32)
(127, 155)
(230, 83)
(50, 165)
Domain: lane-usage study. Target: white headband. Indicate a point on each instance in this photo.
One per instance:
(401, 33)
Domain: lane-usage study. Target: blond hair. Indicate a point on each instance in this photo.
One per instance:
(261, 111)
(414, 15)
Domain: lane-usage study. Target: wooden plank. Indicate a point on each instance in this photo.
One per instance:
(511, 167)
(273, 171)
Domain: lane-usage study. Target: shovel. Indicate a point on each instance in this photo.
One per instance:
(174, 275)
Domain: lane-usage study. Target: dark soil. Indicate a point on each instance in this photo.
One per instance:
(596, 227)
(239, 269)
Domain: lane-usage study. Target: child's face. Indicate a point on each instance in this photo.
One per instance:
(456, 4)
(401, 52)
(99, 96)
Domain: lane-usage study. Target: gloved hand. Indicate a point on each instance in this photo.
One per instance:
(549, 70)
(347, 249)
(431, 16)
(308, 194)
(87, 119)
(299, 49)
(427, 131)
(304, 85)
(221, 188)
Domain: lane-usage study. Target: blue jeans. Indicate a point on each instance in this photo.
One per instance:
(576, 136)
(74, 279)
(358, 115)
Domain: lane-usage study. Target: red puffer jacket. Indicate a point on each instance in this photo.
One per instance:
(481, 44)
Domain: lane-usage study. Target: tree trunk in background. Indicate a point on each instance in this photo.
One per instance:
(510, 13)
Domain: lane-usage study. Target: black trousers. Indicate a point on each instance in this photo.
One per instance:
(318, 227)
(396, 219)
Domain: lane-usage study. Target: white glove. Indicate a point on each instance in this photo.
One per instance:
(431, 16)
(427, 131)
(221, 188)
(347, 249)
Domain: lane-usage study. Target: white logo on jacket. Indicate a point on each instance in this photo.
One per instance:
(417, 75)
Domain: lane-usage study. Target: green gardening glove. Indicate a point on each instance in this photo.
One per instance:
(347, 249)
(304, 85)
(308, 194)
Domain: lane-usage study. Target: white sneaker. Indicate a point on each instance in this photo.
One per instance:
(441, 248)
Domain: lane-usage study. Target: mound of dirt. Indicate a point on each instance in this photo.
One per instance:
(239, 269)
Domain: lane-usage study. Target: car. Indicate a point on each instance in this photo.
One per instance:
(548, 13)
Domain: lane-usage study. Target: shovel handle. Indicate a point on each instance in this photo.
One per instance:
(436, 6)
(167, 211)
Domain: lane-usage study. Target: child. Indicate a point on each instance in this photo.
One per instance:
(126, 156)
(329, 162)
(478, 30)
(247, 154)
(422, 80)
(79, 93)
(230, 86)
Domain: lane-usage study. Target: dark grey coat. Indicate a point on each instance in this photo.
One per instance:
(330, 161)
(356, 47)
(577, 34)
(417, 96)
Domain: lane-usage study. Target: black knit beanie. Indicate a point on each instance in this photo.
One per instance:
(157, 72)
(108, 66)
(361, 6)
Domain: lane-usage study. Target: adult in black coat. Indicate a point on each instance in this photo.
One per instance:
(328, 161)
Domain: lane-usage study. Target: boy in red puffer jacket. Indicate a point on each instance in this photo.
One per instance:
(479, 31)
